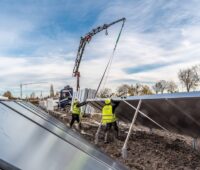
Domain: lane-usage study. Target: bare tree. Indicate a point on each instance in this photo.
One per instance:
(123, 90)
(8, 94)
(160, 86)
(156, 88)
(134, 90)
(189, 77)
(131, 90)
(171, 87)
(138, 89)
(145, 90)
(163, 85)
(106, 92)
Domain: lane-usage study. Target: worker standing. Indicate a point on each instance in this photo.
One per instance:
(109, 119)
(76, 112)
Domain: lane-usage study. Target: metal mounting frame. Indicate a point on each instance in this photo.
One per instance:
(97, 134)
(137, 110)
(196, 143)
(124, 148)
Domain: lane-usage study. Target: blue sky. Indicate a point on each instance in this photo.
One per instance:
(39, 41)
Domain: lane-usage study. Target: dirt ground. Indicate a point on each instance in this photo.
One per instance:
(146, 150)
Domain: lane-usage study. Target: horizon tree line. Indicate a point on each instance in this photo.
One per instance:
(189, 78)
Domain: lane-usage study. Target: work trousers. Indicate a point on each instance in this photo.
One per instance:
(108, 129)
(75, 117)
(110, 125)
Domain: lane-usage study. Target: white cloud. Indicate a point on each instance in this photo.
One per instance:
(21, 70)
(155, 32)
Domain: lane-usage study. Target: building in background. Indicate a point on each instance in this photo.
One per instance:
(3, 98)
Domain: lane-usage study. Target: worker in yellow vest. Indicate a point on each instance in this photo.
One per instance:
(109, 119)
(76, 112)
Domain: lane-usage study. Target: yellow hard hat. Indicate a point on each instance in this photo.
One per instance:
(107, 101)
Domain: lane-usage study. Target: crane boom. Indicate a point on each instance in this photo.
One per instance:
(84, 40)
(24, 84)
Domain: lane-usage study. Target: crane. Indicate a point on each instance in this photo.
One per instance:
(25, 84)
(84, 40)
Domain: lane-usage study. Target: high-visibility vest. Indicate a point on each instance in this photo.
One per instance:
(75, 109)
(107, 114)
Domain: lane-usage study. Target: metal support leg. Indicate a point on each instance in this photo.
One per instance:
(150, 130)
(124, 148)
(194, 143)
(143, 114)
(97, 134)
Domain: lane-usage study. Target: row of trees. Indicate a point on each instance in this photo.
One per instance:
(126, 90)
(162, 85)
(9, 95)
(189, 78)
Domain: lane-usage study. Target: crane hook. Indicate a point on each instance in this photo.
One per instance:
(106, 32)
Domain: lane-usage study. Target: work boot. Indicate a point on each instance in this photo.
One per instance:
(82, 132)
(79, 126)
(117, 135)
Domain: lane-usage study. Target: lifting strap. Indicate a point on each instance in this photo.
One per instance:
(110, 60)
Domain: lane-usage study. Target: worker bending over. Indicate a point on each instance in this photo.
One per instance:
(76, 112)
(109, 119)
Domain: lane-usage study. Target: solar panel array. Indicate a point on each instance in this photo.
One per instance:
(32, 139)
(178, 112)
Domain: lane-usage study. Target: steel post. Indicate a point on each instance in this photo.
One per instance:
(124, 148)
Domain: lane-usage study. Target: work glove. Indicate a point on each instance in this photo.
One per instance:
(85, 102)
